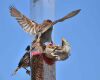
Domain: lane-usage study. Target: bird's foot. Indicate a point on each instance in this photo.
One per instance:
(28, 72)
(58, 58)
(53, 55)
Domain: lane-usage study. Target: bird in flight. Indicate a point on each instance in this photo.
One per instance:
(43, 30)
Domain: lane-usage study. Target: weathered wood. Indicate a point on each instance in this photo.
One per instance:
(36, 68)
(39, 11)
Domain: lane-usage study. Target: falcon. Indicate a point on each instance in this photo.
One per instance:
(43, 30)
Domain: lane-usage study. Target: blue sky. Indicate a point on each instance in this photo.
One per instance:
(82, 31)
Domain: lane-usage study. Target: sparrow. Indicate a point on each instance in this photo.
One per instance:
(58, 53)
(24, 61)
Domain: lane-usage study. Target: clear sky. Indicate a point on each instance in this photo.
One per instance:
(82, 31)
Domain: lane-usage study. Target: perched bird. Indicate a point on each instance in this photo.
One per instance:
(24, 62)
(37, 49)
(50, 53)
(37, 52)
(58, 52)
(43, 30)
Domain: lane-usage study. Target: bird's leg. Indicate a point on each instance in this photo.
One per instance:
(27, 71)
(39, 35)
(57, 57)
(53, 54)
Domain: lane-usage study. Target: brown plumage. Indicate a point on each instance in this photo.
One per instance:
(44, 29)
(49, 53)
(58, 52)
(43, 32)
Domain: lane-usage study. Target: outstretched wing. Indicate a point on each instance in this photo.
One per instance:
(73, 13)
(27, 24)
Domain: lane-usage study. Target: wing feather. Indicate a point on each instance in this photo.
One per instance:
(27, 24)
(73, 13)
(70, 15)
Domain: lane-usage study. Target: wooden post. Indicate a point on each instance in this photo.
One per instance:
(41, 10)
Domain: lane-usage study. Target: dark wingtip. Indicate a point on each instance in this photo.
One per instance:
(11, 6)
(78, 10)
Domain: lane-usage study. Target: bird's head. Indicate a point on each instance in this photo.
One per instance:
(47, 22)
(66, 46)
(28, 48)
(65, 42)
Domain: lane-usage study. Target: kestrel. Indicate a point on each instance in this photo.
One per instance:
(43, 30)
